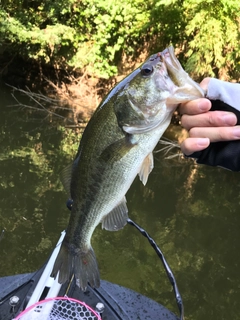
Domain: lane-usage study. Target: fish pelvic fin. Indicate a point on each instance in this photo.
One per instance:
(74, 261)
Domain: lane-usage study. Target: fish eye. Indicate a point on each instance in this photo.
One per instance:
(146, 70)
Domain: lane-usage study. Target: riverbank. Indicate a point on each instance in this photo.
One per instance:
(63, 88)
(56, 90)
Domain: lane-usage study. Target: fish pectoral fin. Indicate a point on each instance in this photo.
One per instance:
(146, 168)
(117, 218)
(65, 177)
(118, 149)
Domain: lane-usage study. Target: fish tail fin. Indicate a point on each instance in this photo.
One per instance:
(82, 264)
(86, 269)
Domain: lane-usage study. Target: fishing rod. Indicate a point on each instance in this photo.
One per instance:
(47, 286)
(44, 302)
(165, 265)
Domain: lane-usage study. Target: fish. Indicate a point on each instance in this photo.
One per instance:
(115, 147)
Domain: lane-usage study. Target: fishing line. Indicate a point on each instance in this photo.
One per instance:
(165, 265)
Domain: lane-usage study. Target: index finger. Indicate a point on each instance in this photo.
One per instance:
(194, 107)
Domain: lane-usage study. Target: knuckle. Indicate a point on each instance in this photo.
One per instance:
(193, 132)
(185, 121)
(223, 134)
(211, 119)
(215, 118)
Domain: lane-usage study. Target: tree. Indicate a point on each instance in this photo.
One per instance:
(96, 35)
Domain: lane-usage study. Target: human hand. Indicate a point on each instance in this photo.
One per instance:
(206, 126)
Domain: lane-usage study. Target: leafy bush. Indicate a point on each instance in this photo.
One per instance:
(96, 34)
(213, 33)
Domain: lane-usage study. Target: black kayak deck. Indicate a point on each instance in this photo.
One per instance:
(120, 303)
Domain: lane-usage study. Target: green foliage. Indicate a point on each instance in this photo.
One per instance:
(46, 45)
(97, 34)
(206, 34)
(112, 27)
(213, 33)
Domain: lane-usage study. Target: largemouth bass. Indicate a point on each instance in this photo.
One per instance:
(117, 145)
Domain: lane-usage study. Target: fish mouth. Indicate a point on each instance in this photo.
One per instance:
(169, 58)
(166, 52)
(179, 76)
(166, 58)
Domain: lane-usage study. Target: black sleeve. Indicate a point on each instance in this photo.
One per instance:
(225, 153)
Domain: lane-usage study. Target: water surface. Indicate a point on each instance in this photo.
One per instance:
(191, 211)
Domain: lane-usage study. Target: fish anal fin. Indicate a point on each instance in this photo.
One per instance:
(146, 168)
(117, 218)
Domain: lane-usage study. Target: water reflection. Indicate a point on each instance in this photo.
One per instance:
(192, 212)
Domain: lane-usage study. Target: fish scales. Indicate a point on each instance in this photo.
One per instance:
(117, 145)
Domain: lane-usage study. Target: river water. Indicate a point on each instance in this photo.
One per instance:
(191, 211)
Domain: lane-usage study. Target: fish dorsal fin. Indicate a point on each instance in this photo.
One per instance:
(65, 177)
(146, 168)
(117, 218)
